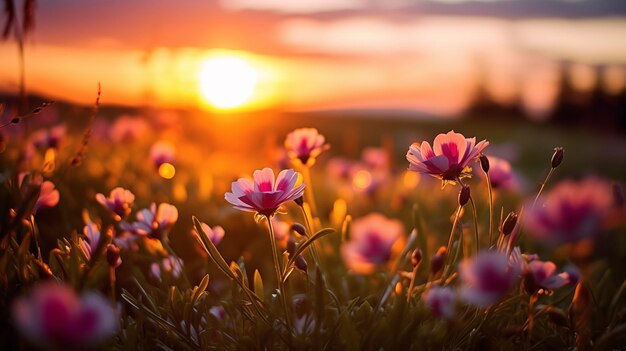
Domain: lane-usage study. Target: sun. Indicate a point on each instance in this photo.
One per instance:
(227, 82)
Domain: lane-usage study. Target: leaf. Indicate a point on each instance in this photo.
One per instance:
(258, 283)
(319, 300)
(200, 289)
(214, 254)
(580, 315)
(307, 243)
(345, 228)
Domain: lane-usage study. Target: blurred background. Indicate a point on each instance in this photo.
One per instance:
(213, 87)
(559, 60)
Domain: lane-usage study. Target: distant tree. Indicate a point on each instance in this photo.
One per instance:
(19, 28)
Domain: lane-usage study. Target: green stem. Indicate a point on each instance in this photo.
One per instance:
(112, 280)
(412, 284)
(543, 185)
(475, 223)
(490, 206)
(308, 190)
(281, 285)
(313, 247)
(450, 239)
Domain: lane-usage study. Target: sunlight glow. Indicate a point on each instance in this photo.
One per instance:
(167, 170)
(227, 82)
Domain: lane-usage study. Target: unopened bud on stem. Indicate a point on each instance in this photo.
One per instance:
(301, 263)
(298, 228)
(509, 223)
(438, 260)
(464, 195)
(299, 201)
(416, 257)
(484, 163)
(557, 157)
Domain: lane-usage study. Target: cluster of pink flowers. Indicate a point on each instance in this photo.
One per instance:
(572, 211)
(449, 157)
(53, 315)
(372, 239)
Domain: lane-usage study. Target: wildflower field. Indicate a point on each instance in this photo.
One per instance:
(153, 229)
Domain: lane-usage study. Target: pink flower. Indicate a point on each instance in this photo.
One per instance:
(501, 174)
(376, 158)
(265, 195)
(172, 265)
(572, 211)
(44, 139)
(305, 144)
(91, 241)
(372, 239)
(538, 274)
(53, 315)
(441, 300)
(215, 234)
(48, 195)
(487, 277)
(128, 128)
(449, 157)
(154, 222)
(543, 275)
(162, 152)
(119, 202)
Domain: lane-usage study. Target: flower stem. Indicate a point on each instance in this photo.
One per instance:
(308, 190)
(412, 284)
(451, 239)
(490, 206)
(112, 280)
(281, 285)
(315, 254)
(543, 185)
(475, 223)
(313, 246)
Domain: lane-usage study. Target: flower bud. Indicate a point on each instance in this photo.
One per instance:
(557, 157)
(43, 269)
(464, 195)
(291, 246)
(298, 228)
(509, 223)
(484, 163)
(299, 201)
(438, 260)
(416, 257)
(113, 256)
(301, 263)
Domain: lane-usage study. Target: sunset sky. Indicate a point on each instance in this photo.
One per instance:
(428, 56)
